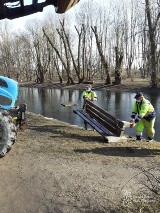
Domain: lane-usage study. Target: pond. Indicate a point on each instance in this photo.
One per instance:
(47, 102)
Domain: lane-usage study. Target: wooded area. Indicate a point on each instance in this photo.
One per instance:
(102, 42)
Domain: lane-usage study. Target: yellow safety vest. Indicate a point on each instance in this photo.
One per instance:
(90, 95)
(143, 109)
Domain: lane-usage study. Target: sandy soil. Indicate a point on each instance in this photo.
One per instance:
(55, 167)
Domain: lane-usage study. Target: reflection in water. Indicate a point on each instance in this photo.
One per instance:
(48, 103)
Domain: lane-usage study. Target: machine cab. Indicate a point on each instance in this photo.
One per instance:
(18, 8)
(8, 92)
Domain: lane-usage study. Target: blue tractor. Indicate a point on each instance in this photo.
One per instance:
(11, 117)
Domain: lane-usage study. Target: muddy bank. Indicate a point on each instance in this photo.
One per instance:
(129, 85)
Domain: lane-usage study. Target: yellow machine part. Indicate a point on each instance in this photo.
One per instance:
(64, 5)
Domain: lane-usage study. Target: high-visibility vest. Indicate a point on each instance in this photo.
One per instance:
(143, 109)
(89, 94)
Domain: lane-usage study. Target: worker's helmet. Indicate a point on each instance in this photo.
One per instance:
(138, 95)
(88, 87)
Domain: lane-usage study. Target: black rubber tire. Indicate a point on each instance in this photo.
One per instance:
(8, 132)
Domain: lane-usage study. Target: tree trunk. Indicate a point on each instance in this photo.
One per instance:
(70, 80)
(102, 57)
(57, 68)
(153, 46)
(119, 58)
(80, 79)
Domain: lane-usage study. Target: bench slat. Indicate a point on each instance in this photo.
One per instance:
(120, 123)
(105, 121)
(93, 123)
(99, 119)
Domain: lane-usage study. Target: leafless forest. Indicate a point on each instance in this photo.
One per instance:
(107, 42)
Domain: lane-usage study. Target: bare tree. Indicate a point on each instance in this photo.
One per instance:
(119, 58)
(80, 34)
(41, 51)
(57, 68)
(42, 62)
(68, 52)
(58, 54)
(22, 56)
(152, 25)
(103, 60)
(130, 22)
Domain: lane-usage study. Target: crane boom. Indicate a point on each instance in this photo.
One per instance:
(17, 8)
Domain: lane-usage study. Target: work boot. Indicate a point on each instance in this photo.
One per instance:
(150, 139)
(138, 137)
(85, 126)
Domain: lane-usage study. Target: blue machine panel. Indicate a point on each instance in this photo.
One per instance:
(8, 92)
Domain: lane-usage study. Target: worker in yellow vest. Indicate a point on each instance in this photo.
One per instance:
(89, 94)
(143, 115)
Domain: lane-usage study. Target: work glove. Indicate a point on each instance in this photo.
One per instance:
(136, 120)
(86, 98)
(133, 116)
(132, 123)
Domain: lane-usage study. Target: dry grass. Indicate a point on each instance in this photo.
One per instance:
(56, 167)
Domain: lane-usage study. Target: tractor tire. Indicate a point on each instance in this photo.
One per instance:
(8, 132)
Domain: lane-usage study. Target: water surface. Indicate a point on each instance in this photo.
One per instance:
(47, 102)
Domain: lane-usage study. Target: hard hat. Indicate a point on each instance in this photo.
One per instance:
(138, 95)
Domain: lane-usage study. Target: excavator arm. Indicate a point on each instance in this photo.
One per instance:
(18, 8)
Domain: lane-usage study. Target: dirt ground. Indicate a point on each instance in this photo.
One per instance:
(55, 167)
